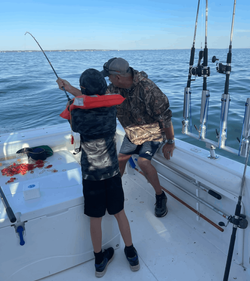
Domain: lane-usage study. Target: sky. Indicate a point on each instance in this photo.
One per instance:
(121, 25)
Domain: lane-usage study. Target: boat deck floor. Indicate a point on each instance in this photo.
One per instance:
(169, 248)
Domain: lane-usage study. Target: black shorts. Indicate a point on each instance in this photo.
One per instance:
(103, 195)
(145, 150)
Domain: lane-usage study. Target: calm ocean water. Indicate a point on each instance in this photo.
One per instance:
(30, 97)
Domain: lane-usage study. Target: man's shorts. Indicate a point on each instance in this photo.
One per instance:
(145, 150)
(103, 195)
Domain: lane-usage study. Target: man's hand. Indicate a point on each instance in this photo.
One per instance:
(168, 150)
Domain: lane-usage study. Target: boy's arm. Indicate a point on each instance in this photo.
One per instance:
(68, 87)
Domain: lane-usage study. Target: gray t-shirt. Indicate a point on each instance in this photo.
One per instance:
(97, 128)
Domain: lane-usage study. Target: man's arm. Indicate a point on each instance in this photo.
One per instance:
(68, 87)
(169, 146)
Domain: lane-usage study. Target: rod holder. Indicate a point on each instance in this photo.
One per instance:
(245, 130)
(185, 126)
(204, 113)
(225, 101)
(186, 105)
(186, 110)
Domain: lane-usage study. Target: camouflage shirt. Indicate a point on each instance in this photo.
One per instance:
(145, 103)
(97, 128)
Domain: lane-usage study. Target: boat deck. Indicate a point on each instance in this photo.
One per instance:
(169, 248)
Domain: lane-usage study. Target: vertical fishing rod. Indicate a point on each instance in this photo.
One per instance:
(202, 70)
(238, 221)
(225, 98)
(205, 91)
(48, 61)
(187, 92)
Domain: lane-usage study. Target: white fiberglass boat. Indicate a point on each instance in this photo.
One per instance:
(205, 235)
(50, 238)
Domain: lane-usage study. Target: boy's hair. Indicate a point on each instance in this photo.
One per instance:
(92, 82)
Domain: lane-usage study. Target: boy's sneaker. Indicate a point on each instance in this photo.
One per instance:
(100, 269)
(161, 205)
(134, 261)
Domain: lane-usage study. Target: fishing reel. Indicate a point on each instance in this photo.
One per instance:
(220, 67)
(200, 70)
(240, 222)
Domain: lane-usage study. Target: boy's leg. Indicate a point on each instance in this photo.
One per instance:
(124, 227)
(96, 233)
(129, 250)
(102, 259)
(95, 208)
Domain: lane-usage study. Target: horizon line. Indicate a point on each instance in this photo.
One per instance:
(98, 50)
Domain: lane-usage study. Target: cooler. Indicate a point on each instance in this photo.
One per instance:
(51, 233)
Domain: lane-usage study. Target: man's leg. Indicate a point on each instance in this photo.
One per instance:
(151, 175)
(123, 159)
(126, 150)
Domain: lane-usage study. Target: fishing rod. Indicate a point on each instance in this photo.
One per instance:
(187, 92)
(48, 61)
(225, 98)
(238, 221)
(202, 70)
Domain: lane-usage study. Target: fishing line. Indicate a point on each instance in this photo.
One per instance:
(48, 61)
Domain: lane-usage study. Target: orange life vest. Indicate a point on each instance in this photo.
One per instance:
(88, 102)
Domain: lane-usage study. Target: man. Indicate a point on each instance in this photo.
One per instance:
(146, 119)
(101, 179)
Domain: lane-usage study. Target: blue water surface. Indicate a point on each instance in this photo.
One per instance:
(30, 97)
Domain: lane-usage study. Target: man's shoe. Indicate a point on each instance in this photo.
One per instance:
(134, 261)
(100, 269)
(161, 205)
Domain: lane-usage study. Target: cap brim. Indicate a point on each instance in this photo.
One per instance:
(104, 73)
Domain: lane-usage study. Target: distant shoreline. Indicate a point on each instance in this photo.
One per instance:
(98, 50)
(31, 51)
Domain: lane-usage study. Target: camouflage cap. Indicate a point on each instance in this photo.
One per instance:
(92, 82)
(115, 66)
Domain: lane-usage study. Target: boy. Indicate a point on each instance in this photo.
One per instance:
(101, 179)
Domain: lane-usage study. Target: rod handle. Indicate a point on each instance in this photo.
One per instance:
(214, 194)
(8, 209)
(10, 214)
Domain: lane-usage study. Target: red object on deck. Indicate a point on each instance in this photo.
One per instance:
(22, 169)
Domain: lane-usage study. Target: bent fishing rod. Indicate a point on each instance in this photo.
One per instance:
(48, 61)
